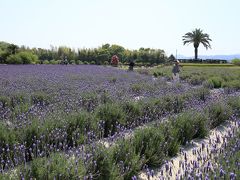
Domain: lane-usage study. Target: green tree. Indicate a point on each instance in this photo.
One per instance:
(22, 58)
(12, 48)
(196, 37)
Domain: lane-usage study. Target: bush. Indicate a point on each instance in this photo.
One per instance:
(195, 80)
(77, 126)
(208, 84)
(57, 166)
(216, 81)
(53, 62)
(218, 113)
(150, 144)
(235, 104)
(22, 58)
(78, 62)
(125, 157)
(236, 61)
(171, 139)
(4, 102)
(133, 111)
(112, 115)
(89, 101)
(232, 85)
(45, 62)
(184, 124)
(40, 98)
(201, 93)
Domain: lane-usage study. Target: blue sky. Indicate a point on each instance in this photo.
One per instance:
(129, 23)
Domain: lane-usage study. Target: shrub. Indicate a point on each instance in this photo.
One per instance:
(232, 85)
(22, 58)
(201, 93)
(208, 84)
(195, 80)
(4, 101)
(149, 143)
(216, 81)
(46, 62)
(218, 113)
(125, 157)
(103, 166)
(7, 136)
(184, 124)
(77, 126)
(78, 62)
(53, 62)
(235, 104)
(40, 98)
(57, 166)
(112, 115)
(136, 87)
(236, 61)
(133, 110)
(171, 139)
(89, 101)
(17, 99)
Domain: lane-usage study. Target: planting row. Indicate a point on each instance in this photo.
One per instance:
(212, 77)
(148, 147)
(40, 90)
(62, 131)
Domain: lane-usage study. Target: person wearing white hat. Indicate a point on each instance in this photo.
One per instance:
(175, 72)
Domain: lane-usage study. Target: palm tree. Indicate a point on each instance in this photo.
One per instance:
(196, 37)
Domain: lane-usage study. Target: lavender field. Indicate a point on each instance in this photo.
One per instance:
(55, 118)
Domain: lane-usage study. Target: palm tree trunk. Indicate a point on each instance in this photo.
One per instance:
(196, 53)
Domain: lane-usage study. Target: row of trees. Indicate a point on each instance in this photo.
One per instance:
(13, 54)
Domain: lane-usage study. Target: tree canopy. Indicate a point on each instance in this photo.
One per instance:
(197, 37)
(13, 54)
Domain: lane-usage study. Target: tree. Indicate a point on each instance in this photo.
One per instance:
(12, 48)
(196, 37)
(22, 58)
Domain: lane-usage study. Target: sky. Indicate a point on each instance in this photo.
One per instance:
(158, 24)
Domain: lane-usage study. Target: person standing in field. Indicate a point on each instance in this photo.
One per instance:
(175, 72)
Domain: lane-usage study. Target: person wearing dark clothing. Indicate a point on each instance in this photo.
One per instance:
(131, 65)
(175, 72)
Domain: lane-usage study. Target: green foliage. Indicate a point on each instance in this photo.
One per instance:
(235, 104)
(112, 115)
(57, 166)
(218, 113)
(216, 81)
(208, 84)
(6, 136)
(171, 139)
(100, 56)
(46, 62)
(133, 110)
(149, 143)
(185, 127)
(125, 157)
(40, 98)
(103, 166)
(201, 93)
(197, 37)
(195, 80)
(89, 100)
(231, 85)
(4, 101)
(22, 58)
(236, 61)
(77, 126)
(190, 125)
